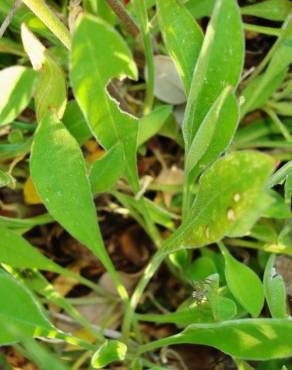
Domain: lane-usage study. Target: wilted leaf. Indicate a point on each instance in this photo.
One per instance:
(168, 86)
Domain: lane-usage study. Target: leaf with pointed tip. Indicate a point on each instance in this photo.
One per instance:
(91, 71)
(182, 35)
(219, 64)
(205, 135)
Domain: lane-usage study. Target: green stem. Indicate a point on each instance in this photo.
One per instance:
(174, 339)
(46, 15)
(150, 73)
(82, 280)
(170, 245)
(279, 124)
(141, 12)
(151, 227)
(261, 29)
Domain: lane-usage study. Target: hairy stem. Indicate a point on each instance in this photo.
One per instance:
(120, 11)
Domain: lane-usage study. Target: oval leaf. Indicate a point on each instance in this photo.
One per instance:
(244, 283)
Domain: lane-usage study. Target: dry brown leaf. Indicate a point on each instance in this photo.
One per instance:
(170, 176)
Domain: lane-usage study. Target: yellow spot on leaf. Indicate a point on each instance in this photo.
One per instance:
(231, 214)
(236, 197)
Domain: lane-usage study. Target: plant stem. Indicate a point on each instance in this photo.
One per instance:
(120, 11)
(279, 124)
(169, 246)
(46, 15)
(9, 17)
(261, 29)
(90, 284)
(141, 12)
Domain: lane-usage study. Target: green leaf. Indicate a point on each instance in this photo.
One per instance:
(110, 351)
(275, 291)
(20, 314)
(151, 124)
(75, 123)
(66, 193)
(205, 135)
(242, 365)
(182, 36)
(223, 198)
(250, 339)
(219, 65)
(200, 8)
(262, 87)
(244, 283)
(225, 309)
(201, 268)
(25, 223)
(106, 171)
(275, 10)
(91, 71)
(278, 207)
(45, 359)
(183, 316)
(6, 180)
(17, 252)
(17, 86)
(242, 226)
(258, 91)
(51, 91)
